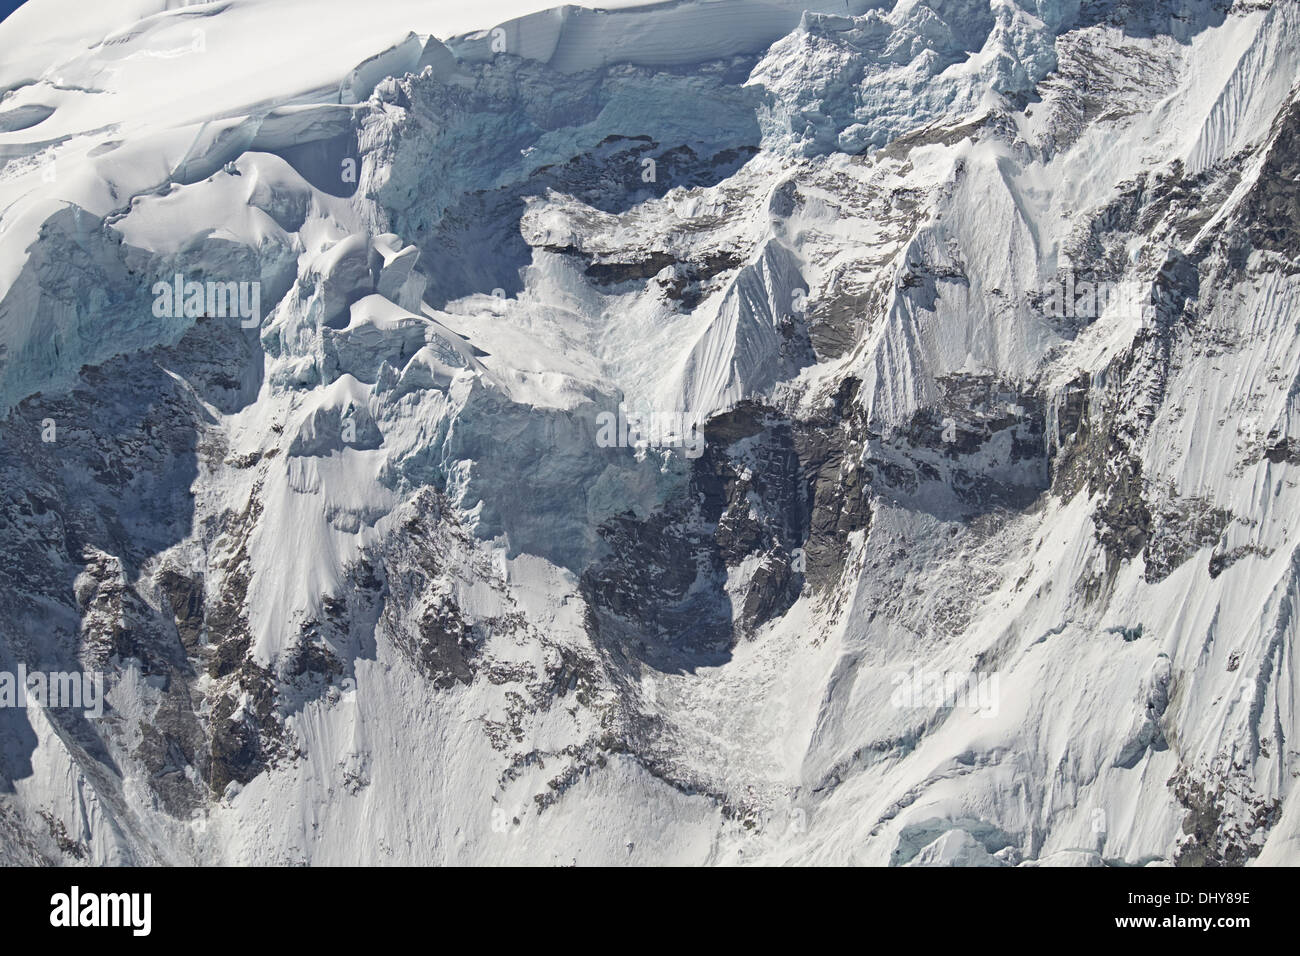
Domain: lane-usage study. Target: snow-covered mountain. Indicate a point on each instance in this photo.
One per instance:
(709, 431)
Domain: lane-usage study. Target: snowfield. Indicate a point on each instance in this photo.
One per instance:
(313, 316)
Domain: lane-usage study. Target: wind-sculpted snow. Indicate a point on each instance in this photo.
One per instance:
(712, 431)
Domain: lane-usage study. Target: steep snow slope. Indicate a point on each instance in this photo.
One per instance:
(956, 531)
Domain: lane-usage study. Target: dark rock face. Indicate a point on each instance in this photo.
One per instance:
(112, 497)
(830, 500)
(1180, 528)
(788, 493)
(670, 569)
(662, 582)
(245, 732)
(981, 448)
(1286, 450)
(1271, 213)
(1211, 834)
(184, 594)
(99, 485)
(1123, 518)
(419, 615)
